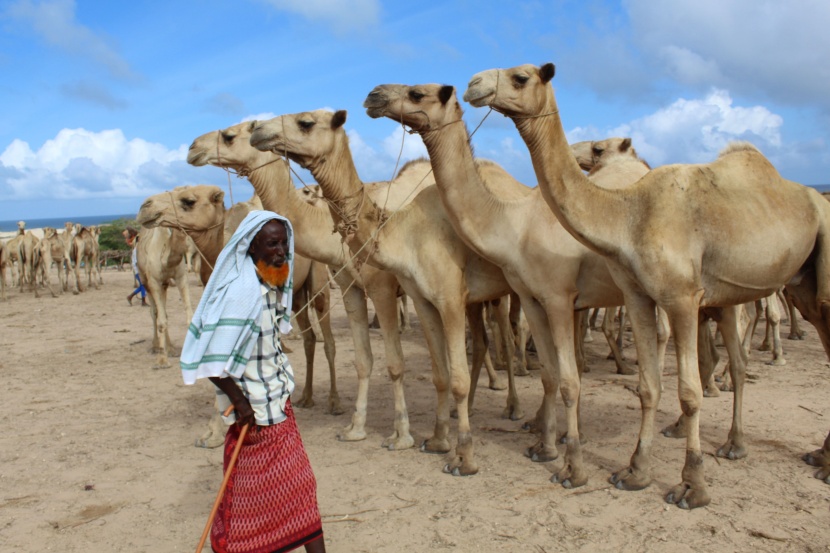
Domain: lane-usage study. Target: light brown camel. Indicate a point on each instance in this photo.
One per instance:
(22, 248)
(200, 211)
(268, 173)
(438, 272)
(4, 262)
(553, 274)
(66, 238)
(50, 248)
(160, 254)
(84, 251)
(684, 237)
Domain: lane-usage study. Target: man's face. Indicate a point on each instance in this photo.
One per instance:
(270, 245)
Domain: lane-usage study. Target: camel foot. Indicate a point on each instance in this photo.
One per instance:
(210, 441)
(162, 363)
(396, 442)
(540, 453)
(512, 412)
(460, 466)
(731, 450)
(570, 476)
(685, 496)
(676, 430)
(711, 390)
(563, 439)
(764, 346)
(726, 385)
(435, 445)
(588, 338)
(627, 369)
(796, 335)
(305, 402)
(630, 479)
(497, 384)
(334, 407)
(819, 458)
(777, 362)
(351, 434)
(532, 425)
(520, 371)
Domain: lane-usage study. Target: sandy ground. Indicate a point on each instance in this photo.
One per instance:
(97, 450)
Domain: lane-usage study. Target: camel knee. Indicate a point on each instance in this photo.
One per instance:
(569, 389)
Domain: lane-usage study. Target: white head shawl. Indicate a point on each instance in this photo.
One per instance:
(225, 326)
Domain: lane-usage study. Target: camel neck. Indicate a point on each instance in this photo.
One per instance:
(470, 205)
(591, 214)
(313, 227)
(355, 215)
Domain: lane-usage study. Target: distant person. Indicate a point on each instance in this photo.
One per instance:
(131, 236)
(234, 340)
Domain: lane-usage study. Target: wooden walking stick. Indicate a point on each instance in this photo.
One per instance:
(224, 485)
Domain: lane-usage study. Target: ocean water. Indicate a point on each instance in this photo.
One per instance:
(58, 222)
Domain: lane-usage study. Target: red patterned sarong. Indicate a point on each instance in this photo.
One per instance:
(270, 504)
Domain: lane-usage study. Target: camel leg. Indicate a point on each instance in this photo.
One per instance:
(616, 353)
(478, 336)
(306, 400)
(795, 330)
(544, 449)
(774, 328)
(321, 308)
(215, 434)
(734, 448)
(501, 313)
(386, 306)
(641, 311)
(358, 316)
(433, 332)
(691, 492)
(452, 317)
(573, 472)
(820, 458)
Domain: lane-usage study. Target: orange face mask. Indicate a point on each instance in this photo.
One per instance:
(275, 276)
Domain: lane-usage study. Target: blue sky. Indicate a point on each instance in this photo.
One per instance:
(101, 99)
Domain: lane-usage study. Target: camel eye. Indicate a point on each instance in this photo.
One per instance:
(598, 151)
(416, 96)
(306, 125)
(228, 137)
(520, 79)
(188, 203)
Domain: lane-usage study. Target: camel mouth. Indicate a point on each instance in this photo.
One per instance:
(148, 220)
(375, 112)
(262, 142)
(197, 159)
(478, 98)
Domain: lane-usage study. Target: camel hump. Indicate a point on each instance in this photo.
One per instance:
(412, 163)
(738, 146)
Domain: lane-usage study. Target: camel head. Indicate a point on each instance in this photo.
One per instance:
(422, 107)
(305, 138)
(593, 154)
(198, 208)
(48, 233)
(229, 148)
(21, 227)
(68, 227)
(516, 92)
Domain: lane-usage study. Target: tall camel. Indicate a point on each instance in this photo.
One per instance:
(160, 260)
(200, 211)
(684, 237)
(22, 248)
(50, 248)
(417, 243)
(269, 175)
(553, 273)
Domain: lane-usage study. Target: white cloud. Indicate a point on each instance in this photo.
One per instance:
(342, 16)
(404, 146)
(54, 21)
(694, 131)
(78, 163)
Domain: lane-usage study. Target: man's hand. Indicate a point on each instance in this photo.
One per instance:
(244, 411)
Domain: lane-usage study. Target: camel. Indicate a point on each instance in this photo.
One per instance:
(674, 240)
(552, 273)
(161, 261)
(22, 250)
(200, 211)
(268, 173)
(50, 248)
(4, 262)
(439, 273)
(84, 249)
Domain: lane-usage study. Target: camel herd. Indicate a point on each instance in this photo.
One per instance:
(29, 259)
(677, 246)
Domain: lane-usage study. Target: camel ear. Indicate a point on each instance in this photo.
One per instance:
(546, 72)
(218, 197)
(252, 126)
(626, 144)
(446, 93)
(338, 119)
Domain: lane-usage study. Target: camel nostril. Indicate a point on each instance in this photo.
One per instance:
(474, 82)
